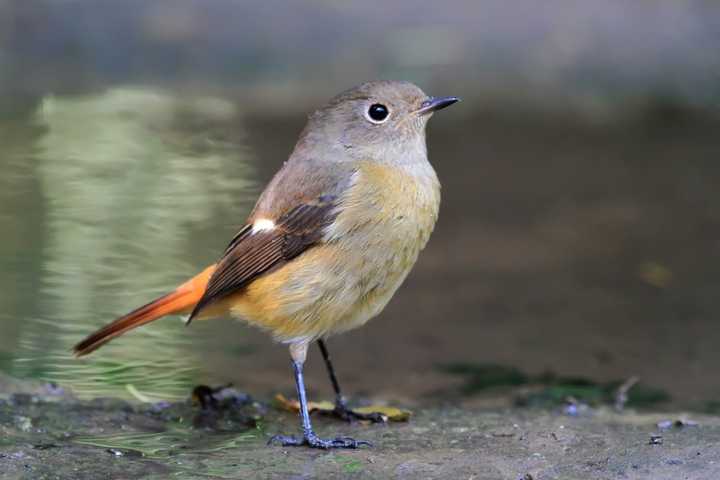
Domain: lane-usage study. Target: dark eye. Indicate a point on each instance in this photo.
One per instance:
(378, 113)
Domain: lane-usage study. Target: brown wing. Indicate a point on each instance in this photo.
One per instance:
(250, 254)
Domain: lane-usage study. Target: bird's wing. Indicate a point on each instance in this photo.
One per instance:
(253, 252)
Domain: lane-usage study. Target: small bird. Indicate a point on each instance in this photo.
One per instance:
(329, 241)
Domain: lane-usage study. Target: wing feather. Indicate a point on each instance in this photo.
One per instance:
(252, 253)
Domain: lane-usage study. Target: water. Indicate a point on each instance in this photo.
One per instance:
(97, 226)
(588, 249)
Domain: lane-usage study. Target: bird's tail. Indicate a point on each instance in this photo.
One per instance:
(183, 299)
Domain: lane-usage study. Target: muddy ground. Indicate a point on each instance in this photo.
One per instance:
(46, 433)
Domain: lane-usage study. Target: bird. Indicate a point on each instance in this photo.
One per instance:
(329, 241)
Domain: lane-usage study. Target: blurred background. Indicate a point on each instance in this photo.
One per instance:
(578, 235)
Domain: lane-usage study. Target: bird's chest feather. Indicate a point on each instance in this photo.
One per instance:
(386, 220)
(388, 208)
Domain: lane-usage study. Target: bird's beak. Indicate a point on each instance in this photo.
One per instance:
(433, 104)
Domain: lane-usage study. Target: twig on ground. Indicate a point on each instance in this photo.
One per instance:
(621, 396)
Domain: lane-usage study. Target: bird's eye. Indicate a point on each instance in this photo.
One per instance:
(378, 113)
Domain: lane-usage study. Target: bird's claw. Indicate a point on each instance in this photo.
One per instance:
(342, 412)
(313, 441)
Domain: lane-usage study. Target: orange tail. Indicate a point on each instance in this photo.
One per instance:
(183, 299)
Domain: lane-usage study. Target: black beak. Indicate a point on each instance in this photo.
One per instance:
(434, 104)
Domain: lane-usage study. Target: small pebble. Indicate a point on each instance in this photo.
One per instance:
(53, 388)
(576, 409)
(23, 424)
(115, 452)
(665, 424)
(21, 399)
(160, 406)
(680, 423)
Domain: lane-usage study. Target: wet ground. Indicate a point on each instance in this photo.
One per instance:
(47, 434)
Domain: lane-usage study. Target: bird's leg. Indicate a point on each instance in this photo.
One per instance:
(341, 409)
(309, 438)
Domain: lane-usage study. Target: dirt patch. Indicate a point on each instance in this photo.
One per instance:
(51, 435)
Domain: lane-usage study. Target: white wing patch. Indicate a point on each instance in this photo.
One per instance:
(262, 225)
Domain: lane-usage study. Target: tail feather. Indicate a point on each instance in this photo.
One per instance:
(181, 300)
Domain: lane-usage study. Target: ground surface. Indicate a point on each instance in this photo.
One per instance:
(47, 434)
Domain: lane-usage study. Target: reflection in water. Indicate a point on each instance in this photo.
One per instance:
(165, 444)
(123, 174)
(195, 453)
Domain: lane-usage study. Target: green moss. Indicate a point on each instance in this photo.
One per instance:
(481, 377)
(350, 465)
(553, 389)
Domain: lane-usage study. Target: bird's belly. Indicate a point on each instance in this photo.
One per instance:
(328, 289)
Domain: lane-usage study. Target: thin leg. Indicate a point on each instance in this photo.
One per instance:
(309, 437)
(341, 409)
(339, 400)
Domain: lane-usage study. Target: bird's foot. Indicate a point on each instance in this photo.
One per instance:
(343, 412)
(313, 441)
